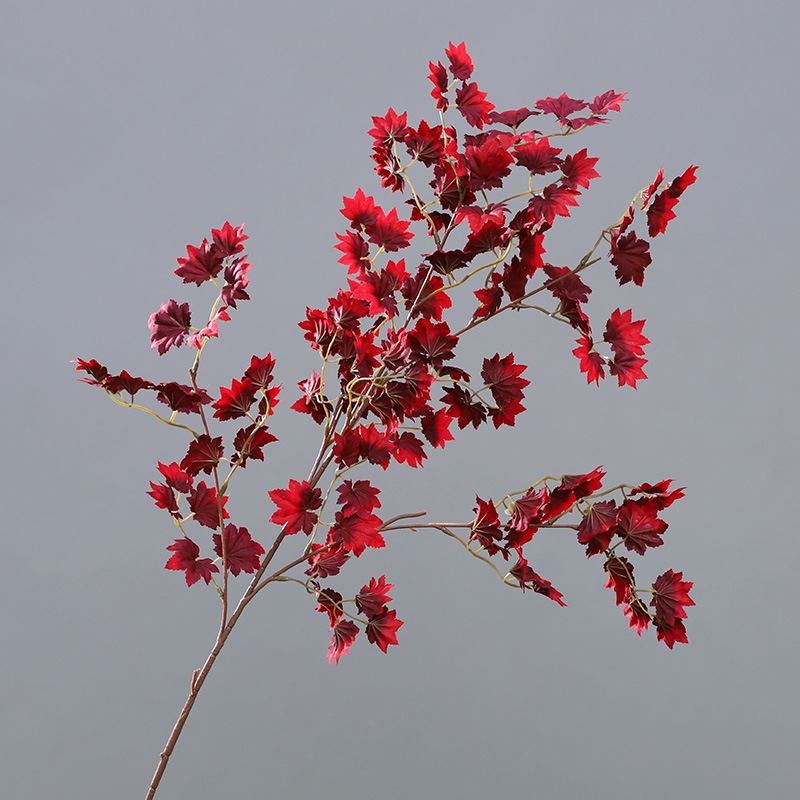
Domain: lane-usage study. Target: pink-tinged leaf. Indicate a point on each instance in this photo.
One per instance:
(169, 326)
(212, 329)
(228, 240)
(608, 101)
(344, 633)
(561, 107)
(538, 156)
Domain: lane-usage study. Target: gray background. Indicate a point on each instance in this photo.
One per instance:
(129, 130)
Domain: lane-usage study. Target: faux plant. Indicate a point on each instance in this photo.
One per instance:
(388, 388)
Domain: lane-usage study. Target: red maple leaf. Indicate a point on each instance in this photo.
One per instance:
(250, 442)
(169, 326)
(126, 383)
(344, 632)
(638, 615)
(660, 210)
(373, 597)
(670, 595)
(462, 407)
(98, 373)
(432, 343)
(296, 506)
(627, 342)
(356, 531)
(260, 371)
(486, 525)
(553, 202)
(360, 210)
(438, 77)
(592, 363)
(241, 552)
(389, 128)
(528, 579)
(460, 62)
(360, 497)
(180, 397)
(201, 265)
(513, 118)
(597, 528)
(164, 497)
(436, 427)
(631, 256)
(425, 144)
(409, 449)
(561, 106)
(638, 525)
(538, 156)
(187, 558)
(424, 295)
(608, 101)
(502, 376)
(175, 477)
(388, 231)
(236, 281)
(382, 629)
(228, 240)
(486, 164)
(578, 170)
(330, 603)
(620, 577)
(203, 503)
(326, 560)
(660, 492)
(203, 455)
(236, 401)
(472, 104)
(356, 251)
(671, 633)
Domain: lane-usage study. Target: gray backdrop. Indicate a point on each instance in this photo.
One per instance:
(129, 130)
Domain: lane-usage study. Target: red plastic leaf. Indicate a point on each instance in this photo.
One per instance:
(382, 630)
(487, 165)
(330, 603)
(126, 383)
(180, 397)
(579, 170)
(472, 104)
(361, 497)
(660, 211)
(462, 407)
(212, 329)
(250, 442)
(360, 210)
(241, 552)
(538, 156)
(620, 577)
(373, 597)
(164, 497)
(409, 449)
(670, 596)
(356, 532)
(389, 232)
(260, 370)
(201, 265)
(390, 128)
(639, 526)
(592, 363)
(228, 240)
(236, 401)
(169, 326)
(326, 560)
(203, 455)
(236, 281)
(597, 527)
(631, 256)
(669, 634)
(528, 579)
(638, 616)
(608, 101)
(296, 506)
(460, 62)
(486, 525)
(203, 503)
(344, 632)
(561, 106)
(438, 77)
(187, 558)
(436, 427)
(175, 477)
(660, 492)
